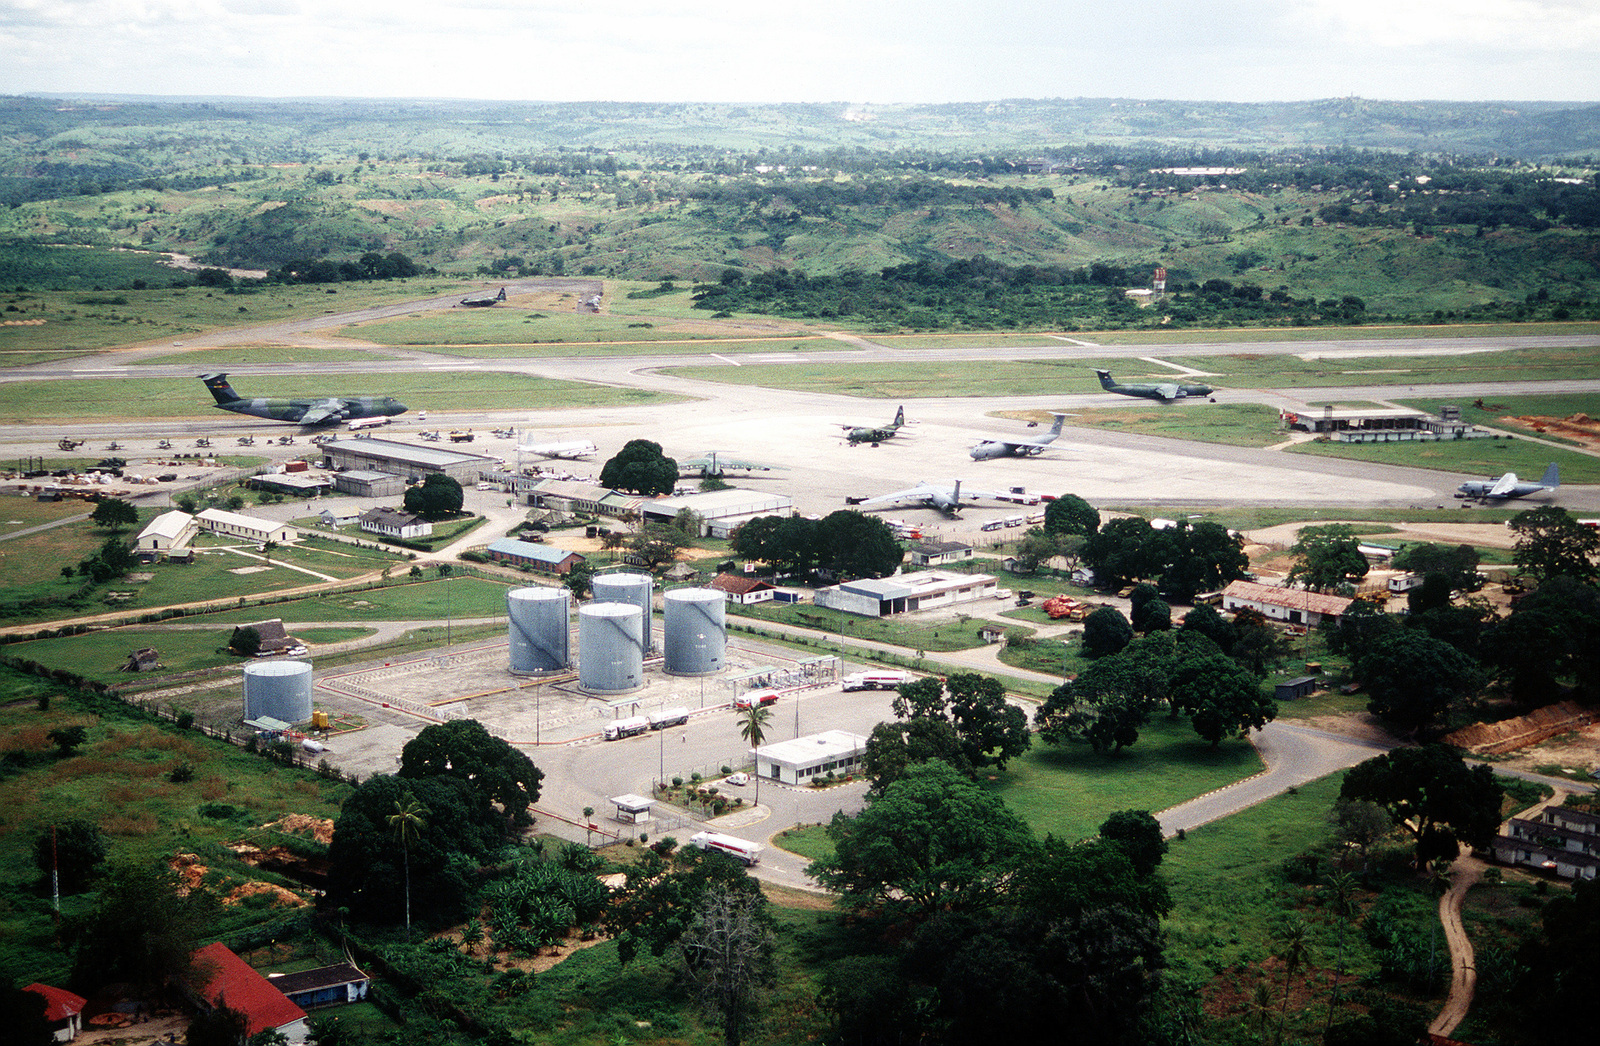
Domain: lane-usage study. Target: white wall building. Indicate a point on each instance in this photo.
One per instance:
(249, 528)
(168, 531)
(903, 593)
(720, 511)
(806, 759)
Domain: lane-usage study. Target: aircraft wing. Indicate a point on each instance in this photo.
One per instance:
(921, 495)
(324, 412)
(1503, 486)
(1169, 392)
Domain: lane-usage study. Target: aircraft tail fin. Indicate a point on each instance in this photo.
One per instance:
(220, 389)
(1055, 430)
(501, 296)
(1552, 476)
(957, 493)
(1105, 381)
(899, 418)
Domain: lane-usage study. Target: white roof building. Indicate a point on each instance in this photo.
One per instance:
(250, 528)
(805, 759)
(720, 511)
(902, 593)
(168, 531)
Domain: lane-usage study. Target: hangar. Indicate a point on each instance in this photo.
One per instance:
(403, 459)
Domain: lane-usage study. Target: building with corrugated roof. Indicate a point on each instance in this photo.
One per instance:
(248, 528)
(1295, 606)
(544, 558)
(168, 531)
(414, 463)
(220, 978)
(905, 593)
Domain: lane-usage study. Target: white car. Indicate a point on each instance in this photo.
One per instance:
(740, 779)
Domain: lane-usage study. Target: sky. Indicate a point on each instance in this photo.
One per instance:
(864, 51)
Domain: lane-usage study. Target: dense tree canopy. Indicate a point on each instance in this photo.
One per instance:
(640, 468)
(462, 748)
(75, 849)
(849, 544)
(113, 514)
(1327, 557)
(439, 497)
(893, 748)
(1551, 543)
(990, 731)
(1070, 514)
(140, 929)
(1105, 632)
(1551, 640)
(1431, 793)
(368, 866)
(659, 901)
(931, 840)
(1221, 697)
(1413, 678)
(1182, 560)
(1457, 564)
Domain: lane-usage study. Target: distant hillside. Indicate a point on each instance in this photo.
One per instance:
(278, 130)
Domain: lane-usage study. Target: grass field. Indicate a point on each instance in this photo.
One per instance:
(1236, 424)
(156, 398)
(1481, 457)
(119, 780)
(236, 355)
(677, 347)
(506, 325)
(948, 635)
(1033, 377)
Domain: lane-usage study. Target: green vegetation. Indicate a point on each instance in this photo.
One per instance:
(958, 635)
(1482, 457)
(1236, 424)
(109, 399)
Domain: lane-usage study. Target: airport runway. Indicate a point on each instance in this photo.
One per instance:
(799, 432)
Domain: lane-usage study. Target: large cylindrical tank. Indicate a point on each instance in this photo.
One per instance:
(632, 588)
(695, 639)
(538, 622)
(610, 660)
(279, 689)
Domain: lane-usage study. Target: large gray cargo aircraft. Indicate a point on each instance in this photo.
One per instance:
(322, 411)
(1001, 446)
(1165, 391)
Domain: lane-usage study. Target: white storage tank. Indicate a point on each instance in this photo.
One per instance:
(278, 689)
(610, 660)
(696, 633)
(628, 587)
(537, 620)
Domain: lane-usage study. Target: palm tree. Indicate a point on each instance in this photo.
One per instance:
(1295, 938)
(1341, 902)
(406, 821)
(753, 728)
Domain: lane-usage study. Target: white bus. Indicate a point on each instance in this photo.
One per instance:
(619, 728)
(738, 849)
(668, 717)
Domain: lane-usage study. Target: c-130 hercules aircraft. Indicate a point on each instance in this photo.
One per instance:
(322, 411)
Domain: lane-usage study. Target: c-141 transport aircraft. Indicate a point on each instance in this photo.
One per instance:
(323, 411)
(1165, 391)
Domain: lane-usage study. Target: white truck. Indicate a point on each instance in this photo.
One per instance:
(738, 849)
(755, 698)
(880, 679)
(620, 728)
(668, 717)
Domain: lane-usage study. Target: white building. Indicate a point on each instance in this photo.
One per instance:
(395, 524)
(903, 593)
(168, 531)
(806, 759)
(249, 528)
(720, 511)
(1296, 606)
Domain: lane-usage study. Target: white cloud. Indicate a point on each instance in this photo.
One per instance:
(879, 50)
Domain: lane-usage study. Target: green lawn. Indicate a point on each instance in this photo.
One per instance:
(947, 635)
(1068, 791)
(119, 780)
(1482, 457)
(1033, 377)
(110, 399)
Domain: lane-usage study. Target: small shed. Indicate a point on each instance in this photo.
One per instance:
(632, 809)
(63, 1010)
(1293, 689)
(325, 986)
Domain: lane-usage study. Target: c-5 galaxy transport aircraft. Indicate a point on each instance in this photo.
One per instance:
(1000, 446)
(872, 434)
(715, 463)
(1164, 391)
(1507, 487)
(323, 411)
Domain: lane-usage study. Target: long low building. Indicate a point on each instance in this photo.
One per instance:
(720, 511)
(904, 593)
(405, 459)
(805, 759)
(249, 528)
(1295, 606)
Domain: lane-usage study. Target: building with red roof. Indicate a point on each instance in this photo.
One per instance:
(221, 978)
(62, 1009)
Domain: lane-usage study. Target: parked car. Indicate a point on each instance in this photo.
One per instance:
(741, 779)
